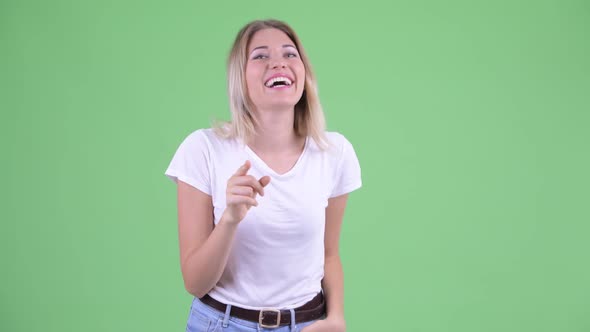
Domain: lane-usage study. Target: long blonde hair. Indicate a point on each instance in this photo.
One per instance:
(309, 116)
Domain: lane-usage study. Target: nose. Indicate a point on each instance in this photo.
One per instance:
(277, 63)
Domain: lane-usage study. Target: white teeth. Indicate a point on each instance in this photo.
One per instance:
(270, 82)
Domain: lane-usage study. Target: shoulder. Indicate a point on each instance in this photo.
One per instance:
(336, 149)
(338, 143)
(206, 143)
(333, 141)
(207, 137)
(201, 134)
(336, 138)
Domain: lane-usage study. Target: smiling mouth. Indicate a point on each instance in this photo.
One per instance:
(278, 82)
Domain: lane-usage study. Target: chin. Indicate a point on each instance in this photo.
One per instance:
(283, 104)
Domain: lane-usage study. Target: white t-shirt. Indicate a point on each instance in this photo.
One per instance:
(277, 257)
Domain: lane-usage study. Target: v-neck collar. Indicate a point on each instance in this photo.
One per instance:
(271, 171)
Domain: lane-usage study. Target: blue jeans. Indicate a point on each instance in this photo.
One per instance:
(203, 318)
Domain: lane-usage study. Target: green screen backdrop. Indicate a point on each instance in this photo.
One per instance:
(470, 120)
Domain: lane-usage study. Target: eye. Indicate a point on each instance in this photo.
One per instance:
(259, 56)
(291, 55)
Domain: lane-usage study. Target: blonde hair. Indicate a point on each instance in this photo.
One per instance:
(309, 116)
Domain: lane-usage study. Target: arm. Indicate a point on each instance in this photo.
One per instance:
(204, 249)
(333, 282)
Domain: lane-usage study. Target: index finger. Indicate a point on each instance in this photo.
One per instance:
(243, 170)
(249, 180)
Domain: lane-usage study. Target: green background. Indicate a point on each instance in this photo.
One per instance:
(470, 120)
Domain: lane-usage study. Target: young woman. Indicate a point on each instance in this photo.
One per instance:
(261, 198)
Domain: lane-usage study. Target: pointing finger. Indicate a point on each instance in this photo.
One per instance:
(247, 180)
(243, 169)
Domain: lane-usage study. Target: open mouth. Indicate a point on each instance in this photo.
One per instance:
(278, 82)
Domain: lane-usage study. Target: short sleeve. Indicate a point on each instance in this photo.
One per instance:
(191, 162)
(348, 171)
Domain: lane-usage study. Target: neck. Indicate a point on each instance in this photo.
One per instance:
(274, 131)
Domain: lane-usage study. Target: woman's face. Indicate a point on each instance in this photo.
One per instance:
(275, 74)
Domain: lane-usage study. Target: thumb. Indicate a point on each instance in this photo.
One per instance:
(264, 181)
(243, 169)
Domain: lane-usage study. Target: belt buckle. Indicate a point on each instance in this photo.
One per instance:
(261, 317)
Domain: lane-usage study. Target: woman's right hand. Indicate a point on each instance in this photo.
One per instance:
(241, 194)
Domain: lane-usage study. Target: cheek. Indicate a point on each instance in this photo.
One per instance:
(249, 75)
(253, 88)
(252, 76)
(300, 72)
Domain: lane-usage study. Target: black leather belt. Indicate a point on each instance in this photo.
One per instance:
(271, 318)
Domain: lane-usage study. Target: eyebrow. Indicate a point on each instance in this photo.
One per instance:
(266, 47)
